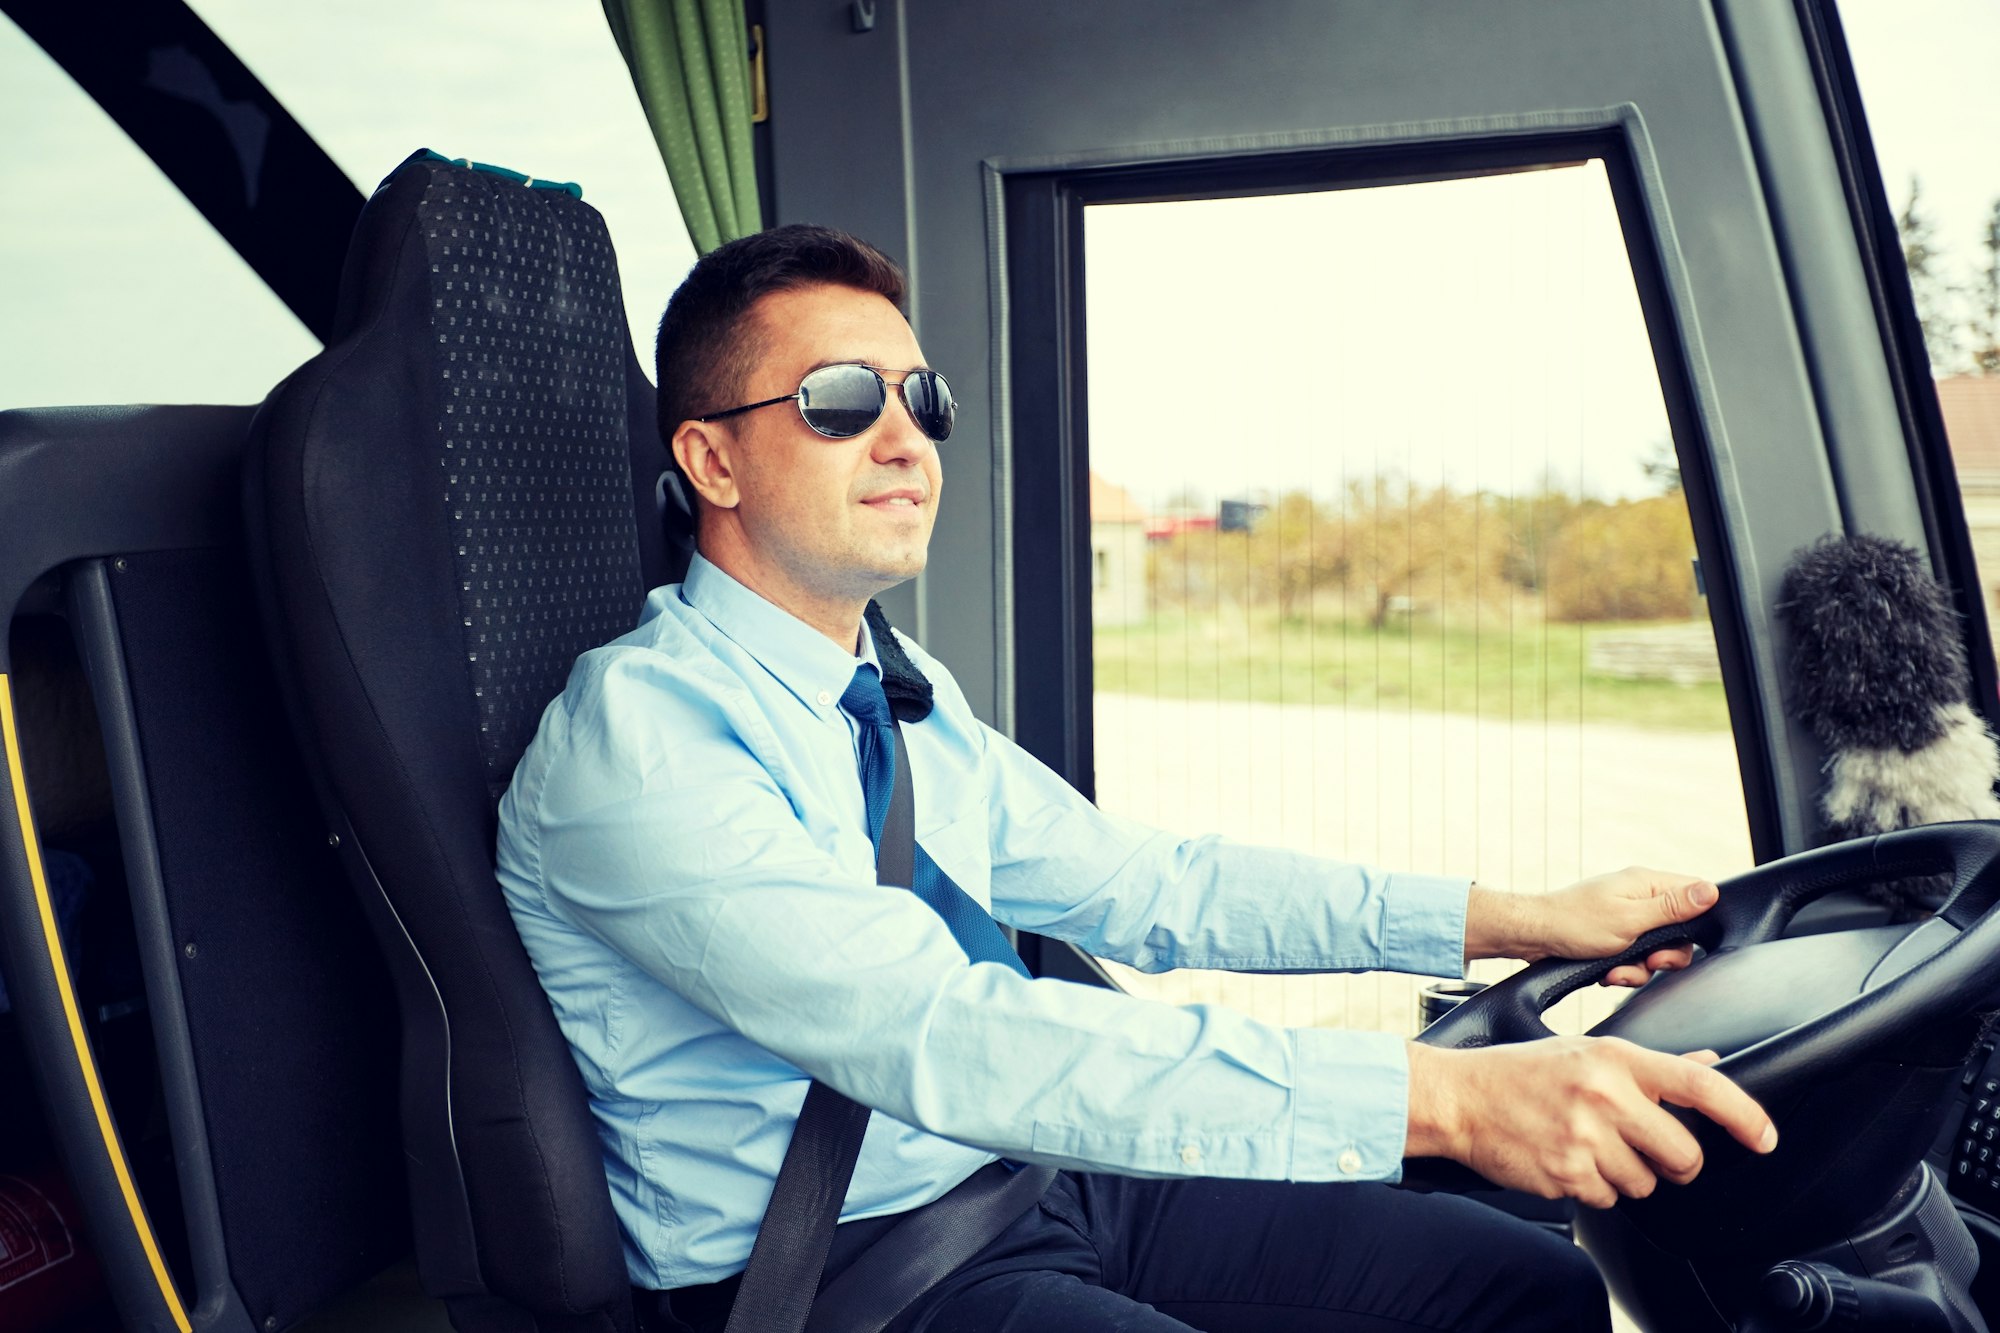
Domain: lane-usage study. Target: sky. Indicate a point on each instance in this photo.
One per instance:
(1930, 81)
(1480, 333)
(118, 292)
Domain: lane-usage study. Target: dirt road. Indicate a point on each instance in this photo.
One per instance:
(1522, 803)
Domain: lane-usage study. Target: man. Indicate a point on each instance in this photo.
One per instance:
(687, 849)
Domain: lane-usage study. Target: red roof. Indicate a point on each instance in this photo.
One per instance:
(1111, 503)
(1971, 405)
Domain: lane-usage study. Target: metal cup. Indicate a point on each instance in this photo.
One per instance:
(1441, 997)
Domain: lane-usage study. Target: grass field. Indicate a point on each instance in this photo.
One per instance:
(1530, 670)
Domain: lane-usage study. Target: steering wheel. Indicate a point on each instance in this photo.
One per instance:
(1853, 1041)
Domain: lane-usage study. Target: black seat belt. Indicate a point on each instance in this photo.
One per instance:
(926, 1247)
(782, 1277)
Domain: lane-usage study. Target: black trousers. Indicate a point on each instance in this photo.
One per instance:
(1111, 1254)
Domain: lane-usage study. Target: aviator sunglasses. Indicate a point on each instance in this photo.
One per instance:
(841, 401)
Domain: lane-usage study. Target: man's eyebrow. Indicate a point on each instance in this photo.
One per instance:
(856, 361)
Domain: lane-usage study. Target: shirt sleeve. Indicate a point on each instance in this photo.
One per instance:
(1120, 890)
(685, 855)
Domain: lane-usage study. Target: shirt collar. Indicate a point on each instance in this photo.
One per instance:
(799, 657)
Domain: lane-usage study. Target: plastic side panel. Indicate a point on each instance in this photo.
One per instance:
(39, 983)
(289, 1012)
(77, 482)
(83, 481)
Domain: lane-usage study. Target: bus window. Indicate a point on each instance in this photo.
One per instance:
(1926, 89)
(1392, 561)
(117, 289)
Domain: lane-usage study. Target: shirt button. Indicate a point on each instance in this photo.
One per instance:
(1350, 1162)
(1190, 1154)
(824, 698)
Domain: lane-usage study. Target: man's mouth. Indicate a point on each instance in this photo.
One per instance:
(895, 500)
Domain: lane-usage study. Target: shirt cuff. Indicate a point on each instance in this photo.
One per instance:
(1424, 924)
(1352, 1105)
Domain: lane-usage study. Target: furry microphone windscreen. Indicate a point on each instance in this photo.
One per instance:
(1878, 674)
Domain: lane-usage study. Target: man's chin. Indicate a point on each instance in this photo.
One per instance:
(902, 573)
(860, 571)
(897, 569)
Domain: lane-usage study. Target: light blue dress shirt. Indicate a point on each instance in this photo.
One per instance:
(685, 852)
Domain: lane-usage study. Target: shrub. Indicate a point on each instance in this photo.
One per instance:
(1626, 561)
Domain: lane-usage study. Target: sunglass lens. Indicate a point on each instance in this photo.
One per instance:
(841, 401)
(931, 403)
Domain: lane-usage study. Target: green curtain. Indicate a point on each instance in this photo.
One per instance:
(690, 62)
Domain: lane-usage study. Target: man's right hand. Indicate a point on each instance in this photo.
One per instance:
(1573, 1116)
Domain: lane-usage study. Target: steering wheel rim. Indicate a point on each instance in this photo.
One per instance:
(1753, 908)
(1857, 1091)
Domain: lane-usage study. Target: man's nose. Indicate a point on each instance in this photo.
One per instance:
(898, 438)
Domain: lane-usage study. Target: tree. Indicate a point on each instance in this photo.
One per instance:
(1533, 525)
(1986, 318)
(1932, 289)
(1297, 547)
(1201, 569)
(1406, 542)
(1626, 561)
(1662, 467)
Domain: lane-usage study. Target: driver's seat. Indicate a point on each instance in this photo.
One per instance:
(445, 507)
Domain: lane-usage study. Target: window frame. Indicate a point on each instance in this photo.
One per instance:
(1934, 473)
(1048, 405)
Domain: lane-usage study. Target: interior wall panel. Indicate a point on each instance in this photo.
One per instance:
(1009, 83)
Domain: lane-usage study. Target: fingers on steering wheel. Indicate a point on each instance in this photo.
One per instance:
(1700, 1088)
(1670, 960)
(1664, 1142)
(1660, 960)
(1626, 1171)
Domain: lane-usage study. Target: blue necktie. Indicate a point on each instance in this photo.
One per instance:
(975, 930)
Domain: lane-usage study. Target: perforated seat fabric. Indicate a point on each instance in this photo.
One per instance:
(447, 505)
(531, 350)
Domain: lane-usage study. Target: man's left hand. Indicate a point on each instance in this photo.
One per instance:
(1592, 918)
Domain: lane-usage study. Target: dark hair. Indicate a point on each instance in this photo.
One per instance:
(707, 347)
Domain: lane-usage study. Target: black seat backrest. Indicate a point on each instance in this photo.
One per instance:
(446, 506)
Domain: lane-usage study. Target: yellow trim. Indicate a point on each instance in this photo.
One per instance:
(112, 1148)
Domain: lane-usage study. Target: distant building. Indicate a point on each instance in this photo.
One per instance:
(1118, 589)
(1239, 515)
(1971, 405)
(1174, 522)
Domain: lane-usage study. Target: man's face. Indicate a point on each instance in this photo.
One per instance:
(840, 519)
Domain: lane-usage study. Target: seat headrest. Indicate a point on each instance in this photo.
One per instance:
(504, 299)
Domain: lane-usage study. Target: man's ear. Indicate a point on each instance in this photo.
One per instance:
(703, 450)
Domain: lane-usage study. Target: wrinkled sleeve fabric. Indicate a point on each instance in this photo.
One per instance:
(676, 845)
(1120, 890)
